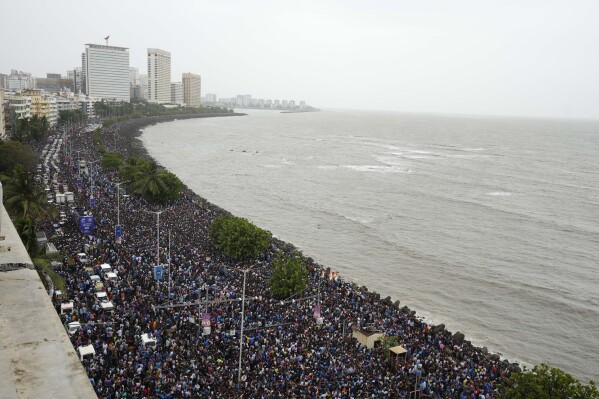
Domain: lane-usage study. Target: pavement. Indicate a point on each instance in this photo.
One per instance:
(37, 359)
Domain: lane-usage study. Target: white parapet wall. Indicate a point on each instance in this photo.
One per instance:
(37, 359)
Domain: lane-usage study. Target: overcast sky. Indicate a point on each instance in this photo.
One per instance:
(526, 58)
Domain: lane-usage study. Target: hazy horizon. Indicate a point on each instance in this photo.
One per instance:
(530, 59)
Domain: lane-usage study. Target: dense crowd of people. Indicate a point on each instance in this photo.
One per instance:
(286, 353)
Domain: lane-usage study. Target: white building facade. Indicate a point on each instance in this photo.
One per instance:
(107, 72)
(192, 89)
(159, 76)
(18, 80)
(177, 93)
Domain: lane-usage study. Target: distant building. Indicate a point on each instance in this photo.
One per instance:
(2, 129)
(19, 80)
(292, 104)
(83, 74)
(133, 76)
(302, 104)
(53, 83)
(143, 86)
(19, 106)
(210, 97)
(107, 72)
(3, 81)
(159, 76)
(192, 89)
(284, 103)
(177, 93)
(75, 77)
(42, 105)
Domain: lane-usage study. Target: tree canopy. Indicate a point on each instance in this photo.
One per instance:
(13, 153)
(23, 197)
(150, 181)
(112, 160)
(238, 238)
(288, 275)
(544, 382)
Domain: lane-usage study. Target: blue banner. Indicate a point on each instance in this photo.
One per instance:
(92, 203)
(118, 233)
(86, 224)
(157, 272)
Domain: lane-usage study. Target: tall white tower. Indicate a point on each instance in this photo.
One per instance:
(106, 70)
(159, 76)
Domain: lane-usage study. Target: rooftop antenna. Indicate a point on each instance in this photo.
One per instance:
(106, 38)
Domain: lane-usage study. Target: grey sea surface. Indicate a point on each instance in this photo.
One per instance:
(488, 225)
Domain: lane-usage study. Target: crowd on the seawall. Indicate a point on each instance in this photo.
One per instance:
(146, 348)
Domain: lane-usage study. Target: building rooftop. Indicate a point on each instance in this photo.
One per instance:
(37, 359)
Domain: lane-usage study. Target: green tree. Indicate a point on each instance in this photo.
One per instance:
(238, 238)
(13, 153)
(71, 116)
(150, 181)
(112, 160)
(23, 198)
(173, 187)
(545, 382)
(147, 179)
(288, 275)
(38, 127)
(26, 229)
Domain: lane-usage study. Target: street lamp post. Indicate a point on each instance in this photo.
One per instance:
(118, 201)
(157, 213)
(169, 264)
(242, 321)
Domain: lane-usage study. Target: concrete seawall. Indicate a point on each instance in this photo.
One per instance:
(37, 359)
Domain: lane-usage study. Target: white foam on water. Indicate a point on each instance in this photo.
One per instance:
(377, 168)
(500, 194)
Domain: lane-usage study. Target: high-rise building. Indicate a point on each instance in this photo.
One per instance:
(2, 131)
(192, 89)
(106, 72)
(134, 76)
(159, 76)
(210, 97)
(143, 86)
(75, 77)
(177, 93)
(83, 75)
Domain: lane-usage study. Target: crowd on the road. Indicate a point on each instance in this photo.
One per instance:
(286, 353)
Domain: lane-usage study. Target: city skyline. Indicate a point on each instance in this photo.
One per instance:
(462, 57)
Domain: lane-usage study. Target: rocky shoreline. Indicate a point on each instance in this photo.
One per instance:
(129, 142)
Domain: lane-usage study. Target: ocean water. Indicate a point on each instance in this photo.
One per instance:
(488, 225)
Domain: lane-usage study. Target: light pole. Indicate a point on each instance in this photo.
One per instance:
(78, 162)
(157, 213)
(242, 320)
(118, 211)
(169, 264)
(92, 175)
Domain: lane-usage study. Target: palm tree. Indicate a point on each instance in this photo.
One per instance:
(26, 229)
(148, 180)
(23, 197)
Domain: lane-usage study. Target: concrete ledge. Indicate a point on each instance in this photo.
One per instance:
(37, 359)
